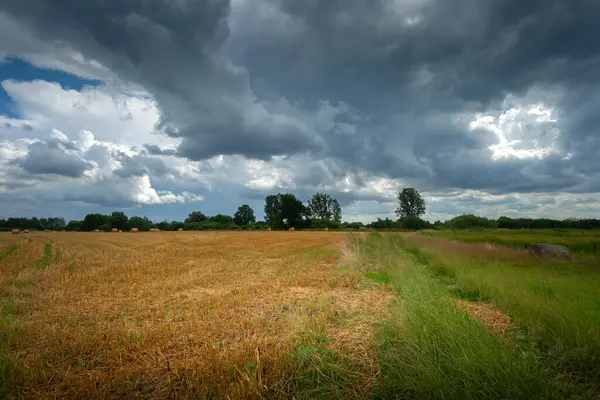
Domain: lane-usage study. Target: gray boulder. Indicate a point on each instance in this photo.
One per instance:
(550, 251)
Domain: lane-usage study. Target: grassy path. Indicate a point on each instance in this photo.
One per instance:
(431, 348)
(7, 252)
(47, 256)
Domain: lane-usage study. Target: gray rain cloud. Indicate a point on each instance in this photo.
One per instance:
(52, 158)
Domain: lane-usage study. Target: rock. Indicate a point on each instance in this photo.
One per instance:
(544, 250)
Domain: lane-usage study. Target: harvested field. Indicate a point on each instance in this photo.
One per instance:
(164, 314)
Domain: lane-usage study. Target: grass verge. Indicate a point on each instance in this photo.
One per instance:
(555, 304)
(431, 348)
(45, 260)
(579, 241)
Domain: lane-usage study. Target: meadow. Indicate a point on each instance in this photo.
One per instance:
(292, 315)
(578, 240)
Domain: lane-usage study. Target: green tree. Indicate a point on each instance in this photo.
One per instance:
(143, 224)
(336, 211)
(93, 221)
(323, 206)
(221, 219)
(413, 222)
(119, 220)
(284, 210)
(56, 223)
(244, 215)
(196, 216)
(411, 204)
(162, 225)
(73, 225)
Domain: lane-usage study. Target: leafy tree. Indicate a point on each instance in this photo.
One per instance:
(411, 204)
(93, 221)
(413, 222)
(73, 225)
(318, 223)
(470, 221)
(163, 225)
(105, 227)
(52, 223)
(143, 224)
(196, 216)
(119, 220)
(174, 225)
(244, 215)
(56, 223)
(284, 211)
(273, 209)
(221, 219)
(337, 211)
(323, 206)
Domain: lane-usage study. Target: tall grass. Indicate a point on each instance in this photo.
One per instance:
(557, 303)
(580, 241)
(432, 349)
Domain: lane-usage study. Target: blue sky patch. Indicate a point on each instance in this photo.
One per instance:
(22, 71)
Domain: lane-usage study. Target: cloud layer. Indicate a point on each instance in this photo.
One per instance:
(493, 99)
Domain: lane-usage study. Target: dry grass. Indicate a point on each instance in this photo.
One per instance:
(180, 314)
(493, 319)
(475, 250)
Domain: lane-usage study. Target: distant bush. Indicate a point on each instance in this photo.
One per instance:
(470, 221)
(322, 223)
(413, 223)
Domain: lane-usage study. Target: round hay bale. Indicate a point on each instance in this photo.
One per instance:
(134, 230)
(120, 230)
(96, 230)
(550, 251)
(16, 231)
(268, 229)
(326, 229)
(292, 229)
(26, 231)
(115, 230)
(179, 229)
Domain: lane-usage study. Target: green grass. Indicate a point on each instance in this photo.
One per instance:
(322, 373)
(432, 349)
(7, 252)
(579, 241)
(45, 260)
(378, 276)
(557, 303)
(321, 252)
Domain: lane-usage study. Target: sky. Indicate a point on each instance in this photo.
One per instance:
(161, 108)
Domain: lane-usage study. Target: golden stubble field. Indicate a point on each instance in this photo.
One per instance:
(178, 314)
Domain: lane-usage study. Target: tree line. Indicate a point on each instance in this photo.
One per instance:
(284, 210)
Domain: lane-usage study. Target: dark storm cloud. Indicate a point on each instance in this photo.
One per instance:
(409, 66)
(470, 53)
(51, 158)
(140, 165)
(173, 50)
(154, 150)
